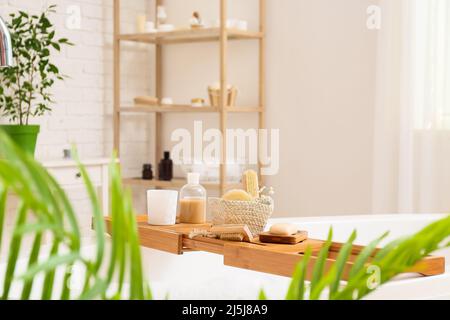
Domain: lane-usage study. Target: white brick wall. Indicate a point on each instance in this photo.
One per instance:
(83, 113)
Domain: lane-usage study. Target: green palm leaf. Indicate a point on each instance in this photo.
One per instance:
(297, 288)
(45, 209)
(396, 257)
(365, 254)
(339, 265)
(320, 264)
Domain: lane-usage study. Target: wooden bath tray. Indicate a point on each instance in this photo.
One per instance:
(277, 259)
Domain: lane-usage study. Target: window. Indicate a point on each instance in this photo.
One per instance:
(430, 63)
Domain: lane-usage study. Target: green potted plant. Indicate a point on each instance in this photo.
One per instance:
(25, 87)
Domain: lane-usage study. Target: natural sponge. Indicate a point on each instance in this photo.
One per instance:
(237, 195)
(251, 183)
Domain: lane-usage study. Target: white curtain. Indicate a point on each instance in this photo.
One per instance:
(412, 114)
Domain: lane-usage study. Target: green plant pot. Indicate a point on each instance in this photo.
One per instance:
(24, 136)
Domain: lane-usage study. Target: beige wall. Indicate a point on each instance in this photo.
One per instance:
(321, 93)
(321, 87)
(321, 82)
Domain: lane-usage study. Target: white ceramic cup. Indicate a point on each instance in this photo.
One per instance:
(150, 27)
(162, 207)
(231, 23)
(242, 25)
(166, 101)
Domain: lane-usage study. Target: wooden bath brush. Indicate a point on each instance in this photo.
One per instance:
(232, 232)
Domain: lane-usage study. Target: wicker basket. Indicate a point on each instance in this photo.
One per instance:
(214, 96)
(252, 213)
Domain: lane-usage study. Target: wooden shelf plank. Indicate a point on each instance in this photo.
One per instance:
(244, 109)
(190, 36)
(185, 108)
(167, 108)
(174, 184)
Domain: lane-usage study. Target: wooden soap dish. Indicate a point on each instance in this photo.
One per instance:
(267, 237)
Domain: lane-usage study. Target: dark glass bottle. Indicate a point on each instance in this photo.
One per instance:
(166, 168)
(147, 172)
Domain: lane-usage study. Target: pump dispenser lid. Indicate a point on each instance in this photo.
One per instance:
(193, 178)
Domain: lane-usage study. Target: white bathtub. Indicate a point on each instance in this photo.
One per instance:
(203, 275)
(199, 275)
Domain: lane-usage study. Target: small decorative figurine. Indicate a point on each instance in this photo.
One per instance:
(161, 15)
(196, 21)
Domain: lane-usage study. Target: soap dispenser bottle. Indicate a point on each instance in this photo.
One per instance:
(165, 168)
(193, 201)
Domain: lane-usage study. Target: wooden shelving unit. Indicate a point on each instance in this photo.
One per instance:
(222, 35)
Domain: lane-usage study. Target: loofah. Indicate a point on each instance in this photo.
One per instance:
(237, 195)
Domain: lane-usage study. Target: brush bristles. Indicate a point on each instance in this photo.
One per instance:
(232, 237)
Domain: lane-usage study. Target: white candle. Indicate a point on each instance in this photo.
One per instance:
(162, 207)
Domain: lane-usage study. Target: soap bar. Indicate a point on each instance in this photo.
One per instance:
(283, 229)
